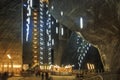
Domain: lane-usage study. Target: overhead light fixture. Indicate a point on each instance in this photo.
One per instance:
(81, 22)
(61, 13)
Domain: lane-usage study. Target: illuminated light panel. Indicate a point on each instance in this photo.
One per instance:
(35, 42)
(52, 7)
(56, 30)
(35, 22)
(35, 34)
(35, 18)
(47, 31)
(27, 34)
(41, 9)
(53, 42)
(41, 5)
(35, 38)
(88, 66)
(41, 25)
(24, 5)
(35, 25)
(41, 17)
(41, 43)
(31, 3)
(35, 61)
(52, 22)
(29, 6)
(49, 15)
(35, 46)
(62, 31)
(41, 34)
(41, 62)
(41, 57)
(35, 56)
(41, 21)
(81, 22)
(9, 56)
(35, 14)
(35, 51)
(41, 13)
(61, 13)
(41, 53)
(35, 30)
(56, 21)
(28, 20)
(29, 11)
(46, 5)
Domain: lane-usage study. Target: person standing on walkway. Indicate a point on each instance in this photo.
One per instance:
(46, 75)
(42, 75)
(4, 76)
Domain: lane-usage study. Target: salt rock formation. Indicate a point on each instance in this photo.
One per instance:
(101, 25)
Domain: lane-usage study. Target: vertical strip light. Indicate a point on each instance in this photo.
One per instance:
(62, 31)
(81, 22)
(56, 30)
(35, 37)
(29, 2)
(49, 39)
(41, 33)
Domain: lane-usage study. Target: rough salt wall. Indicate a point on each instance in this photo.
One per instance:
(101, 25)
(10, 31)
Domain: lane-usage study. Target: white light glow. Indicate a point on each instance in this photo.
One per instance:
(49, 58)
(41, 13)
(53, 42)
(50, 37)
(46, 5)
(29, 11)
(41, 57)
(41, 17)
(49, 15)
(47, 12)
(41, 5)
(52, 7)
(62, 31)
(80, 61)
(27, 32)
(31, 3)
(61, 13)
(52, 22)
(41, 9)
(41, 43)
(9, 56)
(88, 66)
(50, 62)
(83, 54)
(47, 31)
(41, 25)
(41, 62)
(49, 54)
(56, 21)
(48, 44)
(41, 21)
(41, 53)
(81, 22)
(41, 30)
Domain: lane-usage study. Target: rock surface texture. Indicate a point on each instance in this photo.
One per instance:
(101, 25)
(10, 31)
